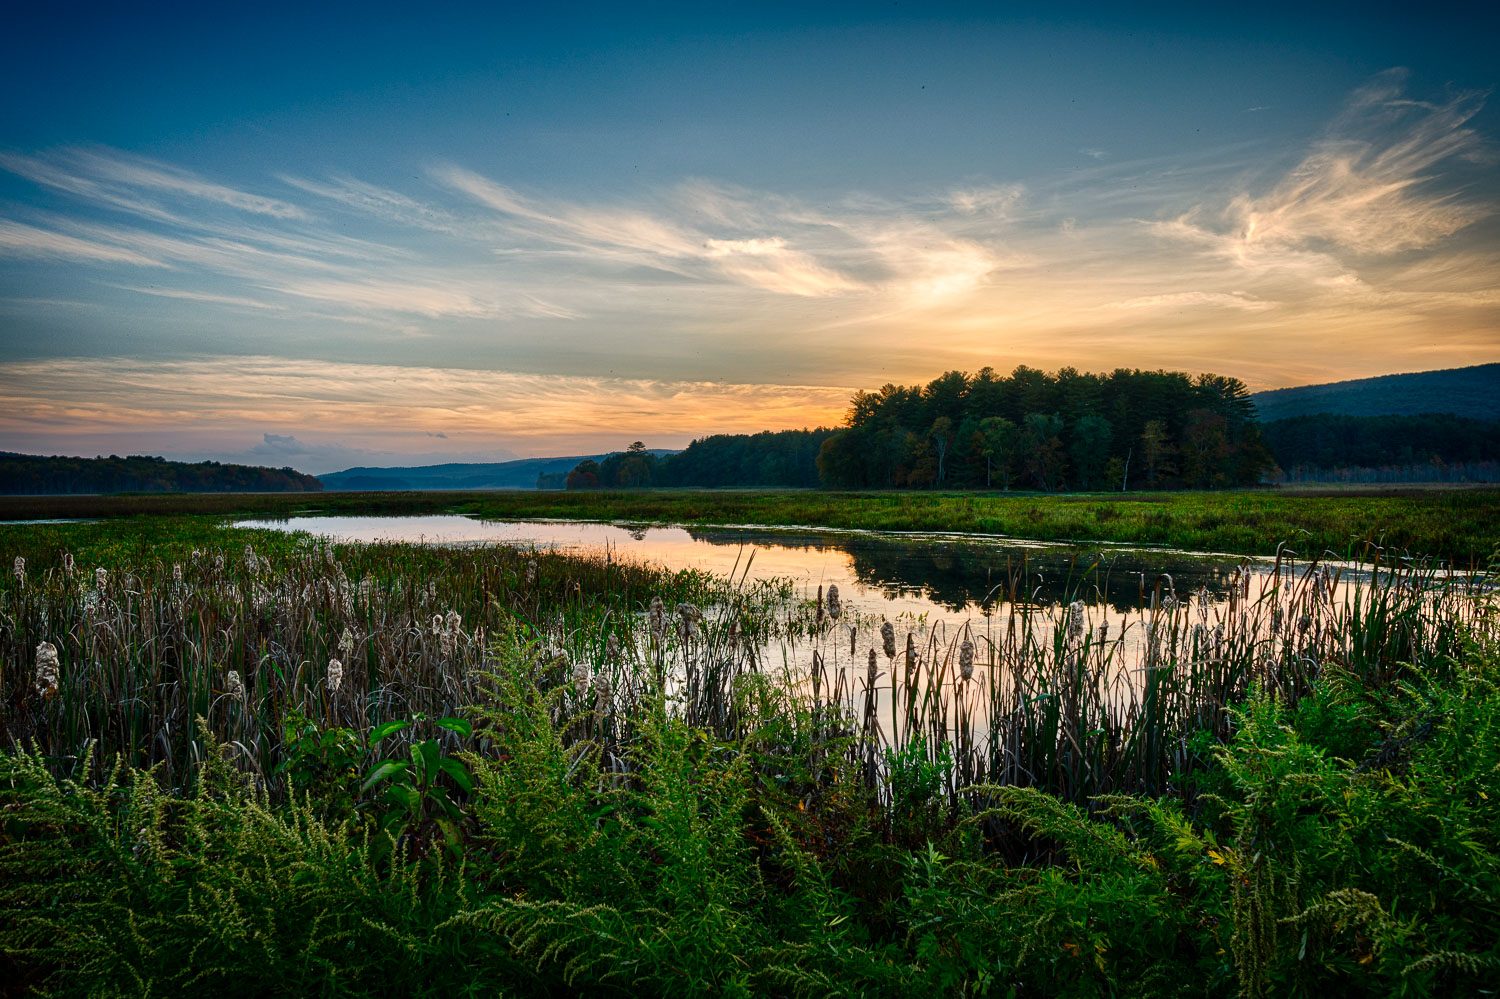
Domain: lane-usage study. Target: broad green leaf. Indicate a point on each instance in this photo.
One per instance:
(382, 772)
(459, 725)
(458, 772)
(386, 728)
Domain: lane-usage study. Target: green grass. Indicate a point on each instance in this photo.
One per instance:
(1459, 525)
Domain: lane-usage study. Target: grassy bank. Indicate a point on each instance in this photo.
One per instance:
(1460, 525)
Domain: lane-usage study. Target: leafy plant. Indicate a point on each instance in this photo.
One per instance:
(421, 788)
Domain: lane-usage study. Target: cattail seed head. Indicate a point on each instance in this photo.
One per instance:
(68, 563)
(966, 659)
(657, 616)
(612, 649)
(235, 685)
(101, 578)
(1075, 622)
(20, 569)
(835, 605)
(46, 670)
(176, 573)
(888, 639)
(335, 675)
(874, 666)
(346, 643)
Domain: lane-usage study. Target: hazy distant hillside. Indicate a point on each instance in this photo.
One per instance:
(519, 474)
(1472, 392)
(26, 474)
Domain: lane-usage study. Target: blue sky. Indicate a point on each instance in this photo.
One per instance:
(363, 235)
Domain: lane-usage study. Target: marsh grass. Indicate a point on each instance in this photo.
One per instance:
(1292, 790)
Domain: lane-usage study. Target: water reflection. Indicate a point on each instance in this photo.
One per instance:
(973, 575)
(888, 574)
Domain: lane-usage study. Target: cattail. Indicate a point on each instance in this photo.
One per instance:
(1075, 622)
(68, 563)
(874, 668)
(853, 633)
(911, 653)
(251, 562)
(966, 659)
(176, 574)
(335, 675)
(657, 616)
(101, 578)
(452, 620)
(581, 675)
(888, 639)
(235, 685)
(835, 606)
(688, 618)
(437, 624)
(612, 649)
(1104, 631)
(346, 643)
(46, 670)
(20, 570)
(531, 573)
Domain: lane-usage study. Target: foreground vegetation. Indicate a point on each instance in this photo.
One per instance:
(295, 768)
(1461, 526)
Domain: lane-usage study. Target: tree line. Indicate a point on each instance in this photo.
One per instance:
(1037, 430)
(1428, 444)
(24, 474)
(1125, 429)
(785, 459)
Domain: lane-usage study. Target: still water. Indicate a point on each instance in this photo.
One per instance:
(953, 578)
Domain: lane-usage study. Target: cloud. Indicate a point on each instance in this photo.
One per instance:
(20, 240)
(1194, 299)
(769, 263)
(118, 180)
(186, 295)
(141, 173)
(1365, 187)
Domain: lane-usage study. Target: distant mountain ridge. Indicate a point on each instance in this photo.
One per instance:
(59, 475)
(1472, 392)
(518, 474)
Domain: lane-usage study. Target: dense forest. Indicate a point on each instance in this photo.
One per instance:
(22, 474)
(1036, 430)
(782, 459)
(1430, 447)
(1473, 392)
(1030, 429)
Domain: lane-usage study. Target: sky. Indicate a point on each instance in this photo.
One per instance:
(394, 235)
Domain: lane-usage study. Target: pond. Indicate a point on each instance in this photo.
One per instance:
(889, 573)
(964, 634)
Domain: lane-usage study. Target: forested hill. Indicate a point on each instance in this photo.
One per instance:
(1470, 392)
(522, 473)
(25, 474)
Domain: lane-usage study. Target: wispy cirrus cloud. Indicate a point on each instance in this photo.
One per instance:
(1365, 187)
(21, 240)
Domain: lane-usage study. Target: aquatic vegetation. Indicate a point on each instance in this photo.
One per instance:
(477, 769)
